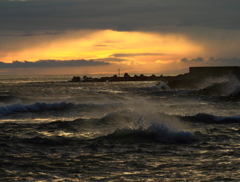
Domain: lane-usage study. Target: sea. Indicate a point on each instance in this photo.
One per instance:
(55, 130)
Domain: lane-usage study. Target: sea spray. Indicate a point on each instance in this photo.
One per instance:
(149, 126)
(154, 132)
(162, 86)
(227, 85)
(130, 141)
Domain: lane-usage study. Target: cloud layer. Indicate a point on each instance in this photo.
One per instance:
(125, 15)
(148, 35)
(212, 61)
(51, 64)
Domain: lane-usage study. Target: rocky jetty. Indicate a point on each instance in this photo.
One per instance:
(189, 80)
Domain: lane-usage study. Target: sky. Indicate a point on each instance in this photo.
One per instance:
(102, 36)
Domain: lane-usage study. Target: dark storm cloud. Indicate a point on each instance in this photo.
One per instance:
(214, 62)
(51, 64)
(229, 62)
(28, 34)
(157, 15)
(199, 59)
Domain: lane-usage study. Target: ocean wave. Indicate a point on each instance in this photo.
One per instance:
(59, 106)
(226, 86)
(208, 118)
(128, 125)
(155, 132)
(119, 116)
(6, 110)
(160, 86)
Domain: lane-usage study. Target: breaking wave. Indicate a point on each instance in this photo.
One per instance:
(162, 86)
(156, 132)
(229, 87)
(150, 126)
(42, 106)
(6, 110)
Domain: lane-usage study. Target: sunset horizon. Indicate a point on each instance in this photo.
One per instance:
(78, 37)
(119, 90)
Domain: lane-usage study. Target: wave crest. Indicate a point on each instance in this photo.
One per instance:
(156, 132)
(6, 110)
(59, 106)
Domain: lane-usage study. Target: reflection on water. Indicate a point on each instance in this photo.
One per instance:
(52, 130)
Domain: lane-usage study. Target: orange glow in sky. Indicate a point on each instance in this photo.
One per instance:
(134, 48)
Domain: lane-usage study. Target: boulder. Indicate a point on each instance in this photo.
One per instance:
(76, 79)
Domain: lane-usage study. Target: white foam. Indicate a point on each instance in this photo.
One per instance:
(162, 86)
(146, 120)
(160, 129)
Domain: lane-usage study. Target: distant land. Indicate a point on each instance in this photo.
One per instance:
(186, 80)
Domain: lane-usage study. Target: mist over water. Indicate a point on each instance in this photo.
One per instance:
(54, 130)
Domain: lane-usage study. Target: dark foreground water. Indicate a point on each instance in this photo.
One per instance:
(54, 130)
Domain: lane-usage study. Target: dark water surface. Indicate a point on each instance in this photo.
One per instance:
(54, 130)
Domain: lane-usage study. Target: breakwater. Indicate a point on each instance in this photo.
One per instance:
(187, 80)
